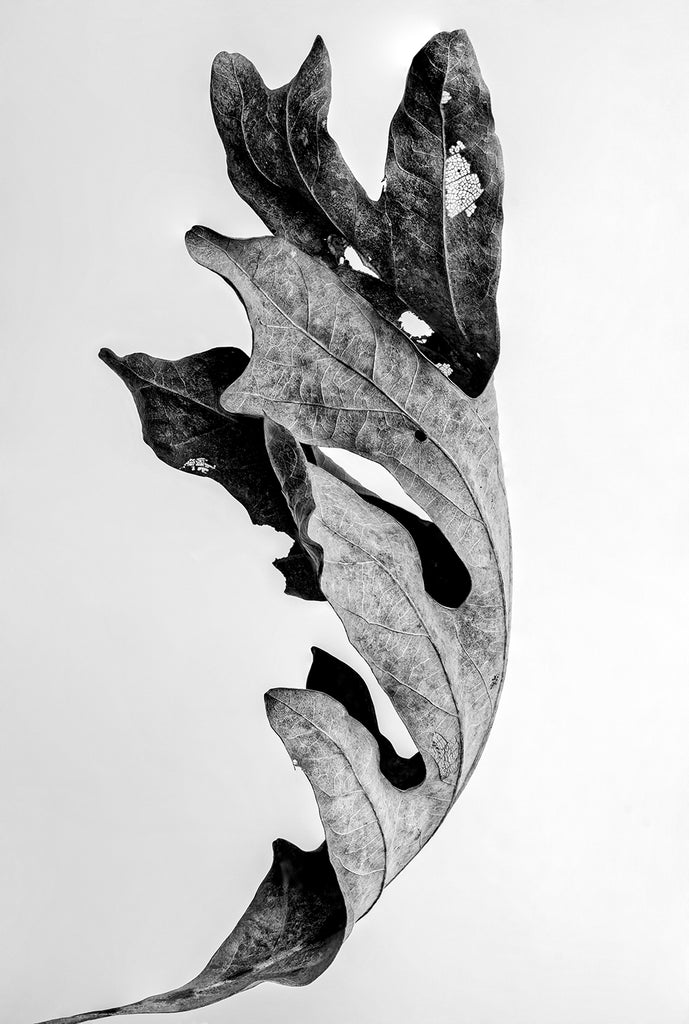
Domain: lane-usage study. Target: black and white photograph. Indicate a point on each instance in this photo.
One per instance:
(376, 710)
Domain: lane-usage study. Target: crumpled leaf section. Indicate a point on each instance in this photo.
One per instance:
(332, 371)
(372, 577)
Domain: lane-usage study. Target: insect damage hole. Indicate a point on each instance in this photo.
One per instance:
(414, 326)
(356, 263)
(462, 187)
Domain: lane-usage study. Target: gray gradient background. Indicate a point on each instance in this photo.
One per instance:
(142, 621)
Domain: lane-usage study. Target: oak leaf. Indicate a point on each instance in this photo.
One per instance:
(426, 603)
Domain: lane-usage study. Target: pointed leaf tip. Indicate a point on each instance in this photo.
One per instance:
(319, 47)
(115, 363)
(109, 357)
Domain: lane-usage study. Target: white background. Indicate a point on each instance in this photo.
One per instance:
(142, 621)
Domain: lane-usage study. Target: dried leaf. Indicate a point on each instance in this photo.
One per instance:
(182, 421)
(443, 205)
(426, 604)
(331, 676)
(330, 369)
(433, 236)
(290, 933)
(372, 577)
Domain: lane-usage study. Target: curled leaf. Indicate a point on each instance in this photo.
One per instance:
(330, 675)
(372, 577)
(290, 933)
(425, 603)
(330, 369)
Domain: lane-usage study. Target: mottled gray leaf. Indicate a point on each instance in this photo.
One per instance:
(372, 577)
(332, 676)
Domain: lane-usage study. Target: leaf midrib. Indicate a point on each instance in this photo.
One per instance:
(411, 602)
(338, 746)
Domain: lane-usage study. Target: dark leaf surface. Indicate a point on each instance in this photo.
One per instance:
(182, 421)
(433, 236)
(443, 205)
(267, 134)
(290, 933)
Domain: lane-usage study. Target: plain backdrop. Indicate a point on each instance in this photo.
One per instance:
(142, 620)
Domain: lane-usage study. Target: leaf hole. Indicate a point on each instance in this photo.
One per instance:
(445, 576)
(414, 326)
(356, 263)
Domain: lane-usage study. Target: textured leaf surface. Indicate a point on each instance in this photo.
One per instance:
(426, 604)
(445, 576)
(184, 424)
(182, 421)
(433, 236)
(290, 933)
(330, 675)
(443, 205)
(372, 577)
(331, 370)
